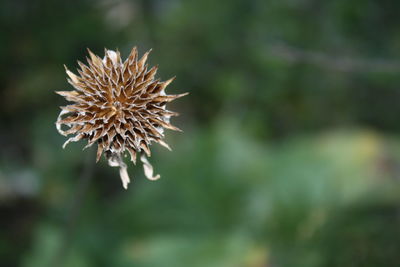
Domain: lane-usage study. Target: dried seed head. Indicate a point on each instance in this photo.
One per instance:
(119, 106)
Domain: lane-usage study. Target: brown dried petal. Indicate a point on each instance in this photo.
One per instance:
(118, 105)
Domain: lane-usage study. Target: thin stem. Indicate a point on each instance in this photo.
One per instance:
(74, 211)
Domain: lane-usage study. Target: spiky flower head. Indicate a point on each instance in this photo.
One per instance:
(119, 106)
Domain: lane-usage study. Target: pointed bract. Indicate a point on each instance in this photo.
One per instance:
(118, 105)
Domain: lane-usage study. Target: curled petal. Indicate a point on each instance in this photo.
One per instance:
(115, 160)
(73, 139)
(148, 169)
(58, 124)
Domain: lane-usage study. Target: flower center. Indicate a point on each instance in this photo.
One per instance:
(117, 105)
(116, 109)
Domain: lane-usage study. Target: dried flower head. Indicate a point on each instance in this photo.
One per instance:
(118, 105)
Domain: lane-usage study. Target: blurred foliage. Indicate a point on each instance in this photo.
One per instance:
(290, 154)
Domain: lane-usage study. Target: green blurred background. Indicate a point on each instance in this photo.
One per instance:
(290, 154)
